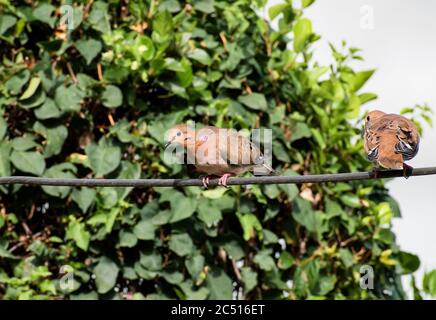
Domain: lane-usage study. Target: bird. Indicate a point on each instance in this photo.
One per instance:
(389, 141)
(217, 151)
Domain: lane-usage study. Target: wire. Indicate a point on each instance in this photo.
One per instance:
(143, 183)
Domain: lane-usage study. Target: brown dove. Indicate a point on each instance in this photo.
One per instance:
(216, 151)
(389, 140)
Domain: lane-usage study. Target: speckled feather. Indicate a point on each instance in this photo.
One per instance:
(390, 139)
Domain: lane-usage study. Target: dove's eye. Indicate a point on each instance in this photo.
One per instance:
(367, 118)
(179, 134)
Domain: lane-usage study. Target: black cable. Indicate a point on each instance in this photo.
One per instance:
(316, 178)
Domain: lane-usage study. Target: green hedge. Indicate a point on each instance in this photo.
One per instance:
(94, 99)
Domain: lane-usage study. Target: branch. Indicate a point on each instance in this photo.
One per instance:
(141, 183)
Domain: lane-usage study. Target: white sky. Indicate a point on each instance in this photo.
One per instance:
(402, 47)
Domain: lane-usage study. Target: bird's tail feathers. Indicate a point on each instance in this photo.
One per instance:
(270, 170)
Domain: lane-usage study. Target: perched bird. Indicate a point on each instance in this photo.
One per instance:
(216, 151)
(389, 140)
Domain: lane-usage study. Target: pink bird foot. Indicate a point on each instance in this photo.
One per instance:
(205, 180)
(375, 173)
(223, 180)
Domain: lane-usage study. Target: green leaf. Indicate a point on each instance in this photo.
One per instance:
(194, 265)
(326, 284)
(173, 277)
(219, 285)
(200, 55)
(299, 131)
(77, 231)
(191, 293)
(48, 110)
(16, 83)
(6, 21)
(143, 48)
(206, 6)
(286, 260)
(144, 230)
(103, 158)
(233, 246)
(360, 78)
(351, 200)
(6, 254)
(215, 193)
(255, 101)
(353, 107)
(31, 88)
(110, 221)
(5, 165)
(162, 28)
(181, 244)
(35, 100)
(314, 221)
(367, 97)
(275, 10)
(346, 257)
(181, 207)
(302, 33)
(127, 239)
(264, 260)
(250, 225)
(84, 197)
(429, 283)
(106, 273)
(68, 98)
(44, 13)
(129, 170)
(249, 278)
(92, 295)
(89, 48)
(306, 3)
(409, 263)
(99, 17)
(28, 161)
(184, 75)
(112, 97)
(55, 138)
(63, 171)
(208, 213)
(24, 143)
(151, 260)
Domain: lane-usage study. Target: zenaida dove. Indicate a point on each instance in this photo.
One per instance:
(389, 140)
(216, 151)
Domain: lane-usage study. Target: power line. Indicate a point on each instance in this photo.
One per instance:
(316, 178)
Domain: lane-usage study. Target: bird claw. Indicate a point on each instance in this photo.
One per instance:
(205, 180)
(407, 171)
(375, 173)
(223, 180)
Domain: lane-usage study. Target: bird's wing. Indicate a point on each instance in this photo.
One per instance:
(371, 142)
(387, 155)
(408, 139)
(397, 133)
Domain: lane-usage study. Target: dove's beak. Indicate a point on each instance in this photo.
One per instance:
(167, 144)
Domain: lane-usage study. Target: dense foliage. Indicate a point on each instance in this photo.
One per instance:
(93, 98)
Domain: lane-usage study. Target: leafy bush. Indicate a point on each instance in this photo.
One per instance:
(93, 98)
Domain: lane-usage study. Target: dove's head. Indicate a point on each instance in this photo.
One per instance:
(179, 134)
(374, 115)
